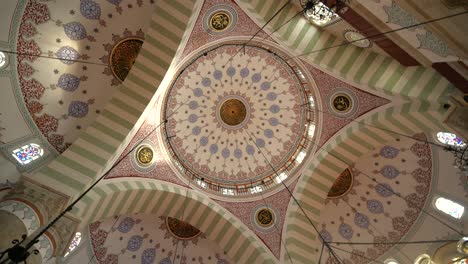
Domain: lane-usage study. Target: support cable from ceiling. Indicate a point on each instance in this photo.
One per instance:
(260, 30)
(392, 191)
(69, 208)
(286, 22)
(278, 231)
(110, 229)
(297, 202)
(380, 34)
(183, 220)
(359, 255)
(52, 58)
(321, 254)
(395, 243)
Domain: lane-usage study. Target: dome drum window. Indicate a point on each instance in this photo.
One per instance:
(449, 207)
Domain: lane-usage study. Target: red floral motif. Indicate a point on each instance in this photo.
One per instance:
(56, 141)
(400, 224)
(25, 70)
(31, 89)
(111, 259)
(36, 12)
(420, 150)
(46, 123)
(34, 107)
(425, 163)
(27, 50)
(27, 30)
(93, 227)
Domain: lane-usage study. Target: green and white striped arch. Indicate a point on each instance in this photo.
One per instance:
(369, 70)
(135, 195)
(103, 141)
(337, 154)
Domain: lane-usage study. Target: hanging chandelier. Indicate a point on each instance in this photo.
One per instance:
(321, 12)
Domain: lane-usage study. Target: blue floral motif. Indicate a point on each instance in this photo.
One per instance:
(90, 9)
(75, 30)
(114, 2)
(389, 172)
(78, 109)
(346, 231)
(126, 225)
(326, 235)
(165, 261)
(389, 152)
(361, 220)
(68, 82)
(67, 55)
(375, 206)
(384, 190)
(135, 243)
(148, 256)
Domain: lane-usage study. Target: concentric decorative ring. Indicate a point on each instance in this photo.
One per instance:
(142, 158)
(220, 19)
(357, 39)
(342, 102)
(232, 110)
(265, 218)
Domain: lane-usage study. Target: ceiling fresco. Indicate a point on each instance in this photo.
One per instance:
(379, 199)
(151, 239)
(64, 96)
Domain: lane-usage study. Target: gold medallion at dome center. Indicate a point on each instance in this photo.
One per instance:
(220, 21)
(233, 112)
(264, 217)
(145, 155)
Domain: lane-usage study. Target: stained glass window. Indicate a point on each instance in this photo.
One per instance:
(450, 139)
(449, 207)
(74, 243)
(28, 153)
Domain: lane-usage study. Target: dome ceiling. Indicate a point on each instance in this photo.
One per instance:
(61, 95)
(150, 239)
(232, 116)
(364, 204)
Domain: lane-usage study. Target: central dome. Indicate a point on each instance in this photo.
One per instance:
(237, 122)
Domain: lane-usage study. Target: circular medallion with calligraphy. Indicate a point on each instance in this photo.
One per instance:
(181, 230)
(342, 102)
(123, 56)
(220, 19)
(342, 185)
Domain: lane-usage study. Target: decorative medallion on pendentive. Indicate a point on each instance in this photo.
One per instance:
(342, 102)
(145, 155)
(219, 19)
(342, 185)
(123, 56)
(265, 217)
(181, 230)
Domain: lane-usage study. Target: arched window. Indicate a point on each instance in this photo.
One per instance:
(449, 207)
(74, 243)
(423, 259)
(3, 60)
(450, 139)
(28, 153)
